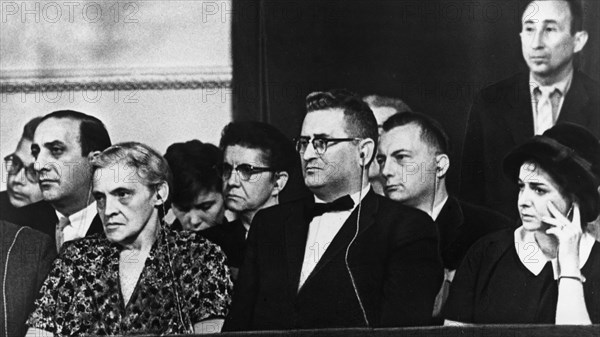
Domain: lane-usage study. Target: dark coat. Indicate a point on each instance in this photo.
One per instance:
(41, 216)
(394, 261)
(460, 224)
(30, 259)
(500, 119)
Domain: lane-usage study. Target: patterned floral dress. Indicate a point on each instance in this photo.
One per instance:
(82, 293)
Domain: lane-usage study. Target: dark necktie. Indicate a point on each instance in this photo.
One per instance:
(342, 204)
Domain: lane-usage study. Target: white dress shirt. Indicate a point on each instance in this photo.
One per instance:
(321, 231)
(80, 222)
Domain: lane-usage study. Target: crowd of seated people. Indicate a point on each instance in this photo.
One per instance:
(200, 240)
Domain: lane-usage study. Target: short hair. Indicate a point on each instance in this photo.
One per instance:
(278, 151)
(387, 102)
(194, 168)
(576, 9)
(29, 128)
(148, 164)
(359, 118)
(93, 135)
(432, 132)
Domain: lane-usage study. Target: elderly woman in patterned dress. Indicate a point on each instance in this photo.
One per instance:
(140, 277)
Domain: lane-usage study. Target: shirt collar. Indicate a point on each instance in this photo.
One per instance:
(438, 209)
(563, 85)
(81, 218)
(531, 255)
(354, 196)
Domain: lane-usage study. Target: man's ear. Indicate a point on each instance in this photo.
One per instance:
(366, 151)
(442, 165)
(162, 194)
(280, 182)
(92, 155)
(580, 40)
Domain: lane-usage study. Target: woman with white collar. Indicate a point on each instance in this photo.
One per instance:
(547, 270)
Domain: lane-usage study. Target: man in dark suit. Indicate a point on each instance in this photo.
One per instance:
(348, 257)
(63, 144)
(26, 257)
(414, 159)
(511, 111)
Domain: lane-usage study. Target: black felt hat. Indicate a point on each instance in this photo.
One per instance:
(571, 156)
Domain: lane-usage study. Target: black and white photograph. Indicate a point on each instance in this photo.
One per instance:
(300, 167)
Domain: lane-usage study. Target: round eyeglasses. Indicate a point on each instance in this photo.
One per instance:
(14, 164)
(244, 171)
(320, 144)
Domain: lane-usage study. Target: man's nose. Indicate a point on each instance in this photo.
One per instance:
(309, 152)
(386, 169)
(537, 39)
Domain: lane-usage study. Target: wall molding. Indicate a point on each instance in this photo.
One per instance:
(112, 79)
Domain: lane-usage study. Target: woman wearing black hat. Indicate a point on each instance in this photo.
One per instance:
(547, 270)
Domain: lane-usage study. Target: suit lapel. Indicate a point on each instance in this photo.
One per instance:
(519, 116)
(296, 231)
(96, 226)
(342, 238)
(572, 108)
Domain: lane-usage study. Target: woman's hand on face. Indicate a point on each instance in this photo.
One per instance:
(568, 232)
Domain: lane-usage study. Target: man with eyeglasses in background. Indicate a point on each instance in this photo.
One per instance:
(22, 186)
(346, 257)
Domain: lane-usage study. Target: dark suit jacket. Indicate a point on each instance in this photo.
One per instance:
(460, 224)
(7, 210)
(500, 119)
(231, 237)
(394, 261)
(30, 259)
(41, 216)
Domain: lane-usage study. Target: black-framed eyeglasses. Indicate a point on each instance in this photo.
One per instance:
(14, 164)
(244, 171)
(319, 144)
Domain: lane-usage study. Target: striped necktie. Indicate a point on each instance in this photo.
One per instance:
(60, 235)
(547, 101)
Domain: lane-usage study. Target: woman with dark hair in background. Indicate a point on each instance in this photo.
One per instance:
(141, 277)
(197, 197)
(548, 269)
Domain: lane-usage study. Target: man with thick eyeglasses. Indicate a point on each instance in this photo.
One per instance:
(345, 257)
(22, 186)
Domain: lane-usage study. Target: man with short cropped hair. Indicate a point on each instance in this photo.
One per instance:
(414, 156)
(509, 112)
(62, 146)
(346, 257)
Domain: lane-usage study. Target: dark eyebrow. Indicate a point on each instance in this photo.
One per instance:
(206, 202)
(53, 143)
(397, 152)
(537, 184)
(120, 189)
(321, 135)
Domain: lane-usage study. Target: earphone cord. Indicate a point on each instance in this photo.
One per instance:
(174, 284)
(360, 303)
